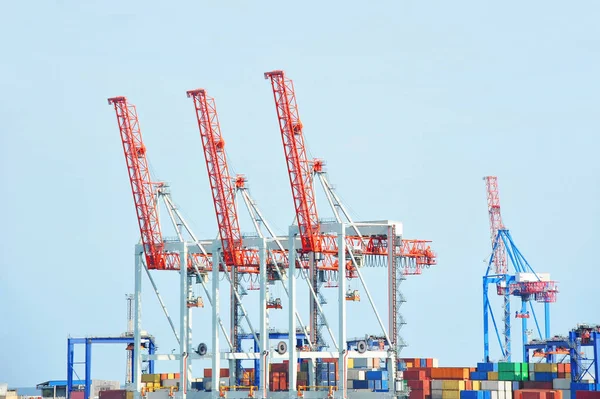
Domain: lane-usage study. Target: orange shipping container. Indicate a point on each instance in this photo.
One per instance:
(429, 362)
(567, 367)
(177, 376)
(450, 373)
(469, 385)
(561, 367)
(163, 377)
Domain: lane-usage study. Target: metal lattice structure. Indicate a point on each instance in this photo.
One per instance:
(316, 252)
(522, 282)
(142, 188)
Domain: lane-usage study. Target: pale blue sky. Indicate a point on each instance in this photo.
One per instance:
(410, 102)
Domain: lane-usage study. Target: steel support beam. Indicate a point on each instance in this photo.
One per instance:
(343, 352)
(216, 358)
(184, 328)
(264, 324)
(293, 355)
(137, 327)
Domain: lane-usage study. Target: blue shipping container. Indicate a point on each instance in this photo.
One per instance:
(579, 386)
(377, 384)
(324, 375)
(471, 395)
(423, 362)
(332, 376)
(377, 375)
(546, 377)
(371, 384)
(487, 367)
(479, 375)
(360, 384)
(385, 385)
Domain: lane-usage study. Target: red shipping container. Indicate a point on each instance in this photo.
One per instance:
(529, 394)
(537, 385)
(426, 370)
(424, 386)
(586, 394)
(416, 384)
(561, 367)
(77, 395)
(113, 394)
(429, 362)
(416, 394)
(224, 373)
(554, 395)
(414, 375)
(469, 385)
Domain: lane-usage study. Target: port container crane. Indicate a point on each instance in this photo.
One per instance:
(523, 283)
(316, 245)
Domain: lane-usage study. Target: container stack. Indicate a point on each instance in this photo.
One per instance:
(155, 382)
(210, 382)
(367, 374)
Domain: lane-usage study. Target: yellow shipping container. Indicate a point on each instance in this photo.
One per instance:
(448, 394)
(453, 385)
(171, 376)
(492, 376)
(351, 363)
(477, 385)
(151, 378)
(546, 367)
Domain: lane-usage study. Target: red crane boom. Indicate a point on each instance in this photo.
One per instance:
(491, 183)
(298, 165)
(142, 188)
(218, 174)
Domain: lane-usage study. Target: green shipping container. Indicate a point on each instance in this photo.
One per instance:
(523, 376)
(505, 375)
(509, 367)
(525, 368)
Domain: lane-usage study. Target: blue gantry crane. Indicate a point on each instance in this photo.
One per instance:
(520, 281)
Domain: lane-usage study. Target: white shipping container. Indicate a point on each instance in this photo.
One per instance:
(399, 385)
(492, 386)
(508, 385)
(501, 394)
(561, 383)
(350, 384)
(435, 362)
(437, 385)
(509, 395)
(494, 394)
(436, 394)
(3, 388)
(356, 374)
